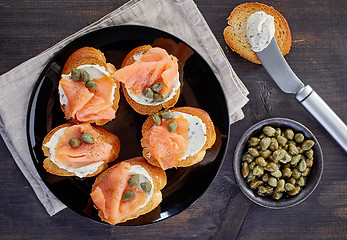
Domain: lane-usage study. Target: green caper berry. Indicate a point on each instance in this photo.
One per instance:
(269, 190)
(172, 126)
(269, 131)
(292, 181)
(280, 185)
(289, 187)
(276, 173)
(157, 97)
(265, 154)
(271, 167)
(295, 191)
(309, 153)
(306, 145)
(91, 85)
(254, 152)
(306, 172)
(258, 171)
(252, 165)
(148, 93)
(254, 141)
(302, 165)
(295, 159)
(134, 180)
(261, 161)
(281, 140)
(250, 177)
(286, 159)
(156, 87)
(261, 189)
(245, 169)
(279, 154)
(296, 173)
(127, 195)
(265, 177)
(278, 132)
(301, 181)
(272, 181)
(289, 134)
(255, 183)
(286, 172)
(293, 150)
(309, 162)
(265, 143)
(273, 145)
(87, 138)
(75, 74)
(85, 76)
(247, 158)
(167, 115)
(156, 119)
(74, 142)
(276, 195)
(299, 137)
(146, 186)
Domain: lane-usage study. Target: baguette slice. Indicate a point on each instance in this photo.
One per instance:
(91, 56)
(159, 181)
(105, 136)
(140, 108)
(236, 37)
(191, 160)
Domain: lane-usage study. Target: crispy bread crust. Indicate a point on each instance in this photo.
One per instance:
(191, 160)
(159, 181)
(139, 108)
(236, 37)
(104, 136)
(92, 56)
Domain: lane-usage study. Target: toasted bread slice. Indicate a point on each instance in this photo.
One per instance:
(91, 56)
(190, 160)
(140, 108)
(236, 37)
(105, 136)
(159, 181)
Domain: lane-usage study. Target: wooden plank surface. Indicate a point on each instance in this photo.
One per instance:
(318, 56)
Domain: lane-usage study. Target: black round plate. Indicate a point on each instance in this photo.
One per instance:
(200, 89)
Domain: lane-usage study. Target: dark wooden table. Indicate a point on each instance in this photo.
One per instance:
(318, 56)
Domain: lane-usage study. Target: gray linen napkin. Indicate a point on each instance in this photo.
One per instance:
(189, 25)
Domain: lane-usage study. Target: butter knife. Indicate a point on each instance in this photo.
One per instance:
(279, 70)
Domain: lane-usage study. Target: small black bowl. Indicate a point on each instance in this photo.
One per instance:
(312, 179)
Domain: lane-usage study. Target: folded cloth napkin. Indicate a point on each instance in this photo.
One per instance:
(189, 25)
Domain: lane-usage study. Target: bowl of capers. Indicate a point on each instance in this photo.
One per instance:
(278, 163)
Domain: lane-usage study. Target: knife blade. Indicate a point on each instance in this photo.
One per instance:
(279, 70)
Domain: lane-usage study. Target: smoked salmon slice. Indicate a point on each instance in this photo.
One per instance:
(88, 105)
(168, 147)
(107, 195)
(85, 153)
(155, 65)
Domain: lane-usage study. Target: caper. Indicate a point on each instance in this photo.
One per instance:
(262, 135)
(172, 126)
(253, 151)
(293, 150)
(309, 153)
(269, 190)
(255, 183)
(146, 186)
(295, 191)
(167, 115)
(127, 195)
(295, 159)
(278, 132)
(265, 143)
(156, 119)
(261, 189)
(289, 187)
(265, 153)
(247, 158)
(272, 181)
(250, 177)
(87, 138)
(254, 141)
(299, 137)
(278, 154)
(302, 165)
(269, 131)
(286, 159)
(252, 165)
(289, 134)
(306, 172)
(280, 185)
(265, 177)
(157, 97)
(276, 173)
(276, 195)
(258, 171)
(301, 181)
(306, 145)
(271, 167)
(91, 85)
(156, 87)
(309, 162)
(148, 93)
(261, 161)
(281, 140)
(292, 181)
(296, 173)
(74, 142)
(134, 180)
(245, 169)
(286, 172)
(76, 74)
(273, 145)
(85, 76)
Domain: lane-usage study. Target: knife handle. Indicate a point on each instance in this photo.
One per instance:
(315, 105)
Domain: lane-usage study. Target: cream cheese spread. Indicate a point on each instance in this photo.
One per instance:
(79, 172)
(260, 30)
(144, 177)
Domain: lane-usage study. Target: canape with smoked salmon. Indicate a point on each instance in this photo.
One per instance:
(87, 91)
(150, 79)
(80, 150)
(127, 190)
(177, 137)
